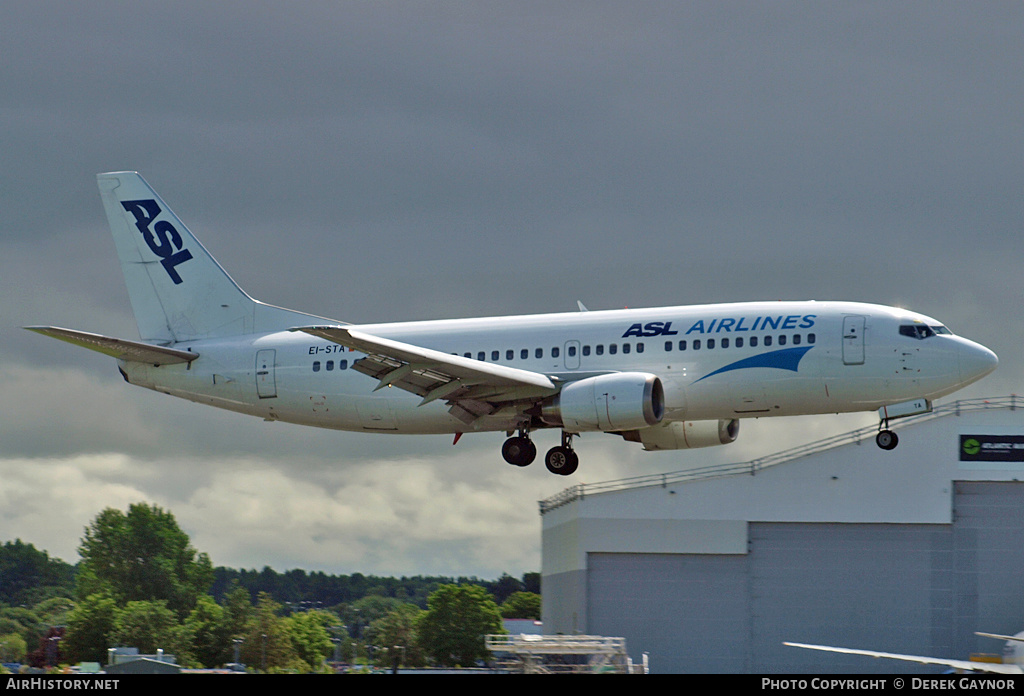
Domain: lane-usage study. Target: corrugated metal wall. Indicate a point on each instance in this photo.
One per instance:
(909, 588)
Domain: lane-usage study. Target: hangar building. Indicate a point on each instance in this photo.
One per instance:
(837, 543)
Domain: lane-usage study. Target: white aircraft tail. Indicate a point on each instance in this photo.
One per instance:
(178, 290)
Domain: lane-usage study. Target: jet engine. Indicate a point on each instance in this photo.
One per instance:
(685, 434)
(609, 403)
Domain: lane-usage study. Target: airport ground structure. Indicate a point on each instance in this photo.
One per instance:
(836, 543)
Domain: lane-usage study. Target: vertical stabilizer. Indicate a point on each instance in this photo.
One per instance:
(178, 290)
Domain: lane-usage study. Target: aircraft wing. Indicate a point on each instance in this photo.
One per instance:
(132, 351)
(474, 385)
(956, 664)
(1000, 636)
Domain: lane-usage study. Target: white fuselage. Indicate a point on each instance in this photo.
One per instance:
(718, 361)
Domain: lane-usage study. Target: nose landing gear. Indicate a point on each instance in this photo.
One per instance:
(886, 439)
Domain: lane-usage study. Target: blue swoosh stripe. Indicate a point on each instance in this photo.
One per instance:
(785, 359)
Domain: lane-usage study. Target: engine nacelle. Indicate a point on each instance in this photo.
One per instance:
(608, 403)
(685, 434)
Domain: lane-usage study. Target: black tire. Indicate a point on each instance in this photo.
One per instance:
(561, 460)
(887, 439)
(519, 451)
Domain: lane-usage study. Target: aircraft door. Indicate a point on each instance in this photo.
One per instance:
(266, 381)
(572, 355)
(853, 340)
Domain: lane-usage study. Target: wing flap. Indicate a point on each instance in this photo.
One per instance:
(132, 351)
(433, 374)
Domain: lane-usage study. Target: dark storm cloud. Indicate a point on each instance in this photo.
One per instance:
(390, 161)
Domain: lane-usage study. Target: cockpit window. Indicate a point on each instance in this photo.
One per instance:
(918, 331)
(942, 330)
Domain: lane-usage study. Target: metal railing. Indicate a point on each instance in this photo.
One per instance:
(955, 408)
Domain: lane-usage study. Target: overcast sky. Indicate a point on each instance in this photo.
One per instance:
(379, 161)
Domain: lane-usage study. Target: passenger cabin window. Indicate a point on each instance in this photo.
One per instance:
(572, 351)
(524, 353)
(494, 355)
(316, 366)
(586, 350)
(554, 352)
(539, 353)
(613, 349)
(639, 347)
(600, 350)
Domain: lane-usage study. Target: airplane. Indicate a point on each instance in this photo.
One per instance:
(1013, 655)
(666, 378)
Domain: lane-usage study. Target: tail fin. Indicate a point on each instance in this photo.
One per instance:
(177, 289)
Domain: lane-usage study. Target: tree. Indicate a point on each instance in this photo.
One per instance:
(150, 627)
(521, 605)
(458, 617)
(30, 576)
(88, 629)
(268, 645)
(398, 630)
(12, 647)
(208, 633)
(142, 555)
(308, 631)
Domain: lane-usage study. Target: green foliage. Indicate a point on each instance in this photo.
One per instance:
(150, 627)
(268, 644)
(397, 632)
(455, 623)
(310, 639)
(142, 555)
(12, 647)
(208, 634)
(28, 576)
(521, 605)
(141, 583)
(89, 626)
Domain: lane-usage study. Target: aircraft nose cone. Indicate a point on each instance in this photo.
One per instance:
(976, 361)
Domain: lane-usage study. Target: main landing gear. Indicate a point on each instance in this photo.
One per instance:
(562, 460)
(520, 451)
(886, 439)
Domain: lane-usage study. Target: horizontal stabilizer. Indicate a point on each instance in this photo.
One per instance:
(132, 351)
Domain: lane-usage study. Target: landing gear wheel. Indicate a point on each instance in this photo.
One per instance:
(887, 439)
(561, 460)
(519, 451)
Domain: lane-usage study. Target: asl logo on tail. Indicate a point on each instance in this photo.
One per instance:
(164, 240)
